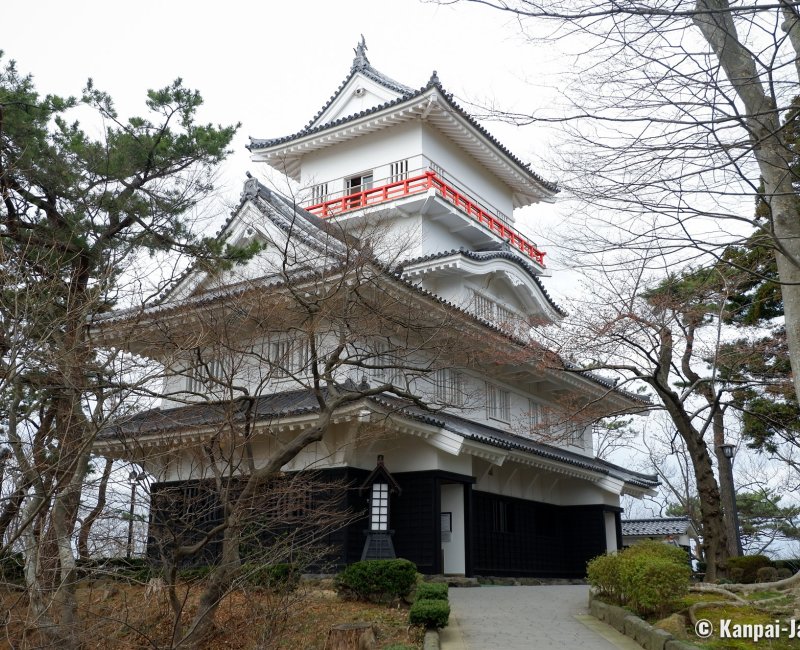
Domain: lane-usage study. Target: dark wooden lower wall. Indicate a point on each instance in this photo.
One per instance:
(515, 537)
(506, 536)
(295, 516)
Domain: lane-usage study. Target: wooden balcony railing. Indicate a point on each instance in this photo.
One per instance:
(422, 183)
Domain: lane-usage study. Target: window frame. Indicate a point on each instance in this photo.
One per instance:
(448, 387)
(498, 403)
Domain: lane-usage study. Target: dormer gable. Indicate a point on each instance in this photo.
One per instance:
(364, 89)
(291, 241)
(497, 286)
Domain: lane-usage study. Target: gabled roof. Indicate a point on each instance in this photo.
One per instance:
(361, 65)
(505, 253)
(406, 97)
(277, 406)
(324, 236)
(656, 527)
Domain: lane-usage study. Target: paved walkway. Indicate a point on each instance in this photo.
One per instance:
(527, 618)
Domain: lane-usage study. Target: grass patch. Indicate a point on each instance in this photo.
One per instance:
(693, 598)
(764, 595)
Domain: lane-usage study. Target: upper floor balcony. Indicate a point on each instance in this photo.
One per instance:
(364, 191)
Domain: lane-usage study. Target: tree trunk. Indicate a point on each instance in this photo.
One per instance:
(715, 538)
(218, 586)
(727, 495)
(772, 152)
(86, 527)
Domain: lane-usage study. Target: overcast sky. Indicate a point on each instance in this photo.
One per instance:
(271, 66)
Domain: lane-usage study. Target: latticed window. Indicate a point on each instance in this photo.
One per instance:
(484, 307)
(498, 403)
(379, 507)
(287, 356)
(504, 316)
(398, 171)
(319, 193)
(204, 375)
(492, 311)
(575, 434)
(383, 359)
(449, 387)
(534, 415)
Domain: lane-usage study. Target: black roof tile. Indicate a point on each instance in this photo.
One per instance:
(297, 402)
(655, 526)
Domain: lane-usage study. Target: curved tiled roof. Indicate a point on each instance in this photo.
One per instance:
(299, 402)
(407, 95)
(504, 440)
(487, 255)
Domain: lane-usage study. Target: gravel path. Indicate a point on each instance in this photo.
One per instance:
(523, 618)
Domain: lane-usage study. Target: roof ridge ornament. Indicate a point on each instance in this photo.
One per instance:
(251, 186)
(434, 80)
(360, 61)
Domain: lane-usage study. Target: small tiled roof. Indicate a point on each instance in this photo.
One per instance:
(361, 64)
(655, 527)
(298, 402)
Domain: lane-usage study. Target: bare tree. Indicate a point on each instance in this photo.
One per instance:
(674, 113)
(669, 336)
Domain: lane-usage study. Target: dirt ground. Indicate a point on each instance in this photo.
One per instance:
(129, 616)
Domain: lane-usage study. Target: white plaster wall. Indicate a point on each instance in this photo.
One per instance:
(577, 492)
(373, 151)
(436, 238)
(452, 501)
(250, 371)
(611, 532)
(416, 142)
(473, 177)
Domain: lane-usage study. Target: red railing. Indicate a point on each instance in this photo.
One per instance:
(422, 183)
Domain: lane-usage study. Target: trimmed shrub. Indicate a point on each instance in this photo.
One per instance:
(652, 583)
(784, 573)
(735, 575)
(431, 591)
(647, 577)
(279, 577)
(750, 564)
(792, 564)
(430, 613)
(377, 580)
(653, 548)
(767, 574)
(603, 574)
